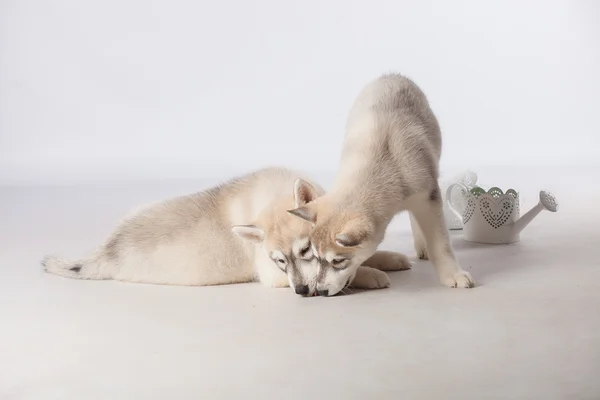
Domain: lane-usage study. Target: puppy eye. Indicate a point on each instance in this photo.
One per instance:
(281, 263)
(305, 251)
(337, 261)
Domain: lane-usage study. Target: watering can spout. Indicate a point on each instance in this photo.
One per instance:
(547, 202)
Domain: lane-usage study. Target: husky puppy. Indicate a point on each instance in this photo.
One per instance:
(389, 164)
(203, 239)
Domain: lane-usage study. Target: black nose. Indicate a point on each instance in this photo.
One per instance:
(302, 290)
(323, 292)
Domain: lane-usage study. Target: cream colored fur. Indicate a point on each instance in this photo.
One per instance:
(235, 232)
(389, 164)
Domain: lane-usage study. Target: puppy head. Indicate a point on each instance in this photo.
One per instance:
(285, 240)
(340, 240)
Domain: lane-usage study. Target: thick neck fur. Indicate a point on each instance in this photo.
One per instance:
(369, 183)
(367, 197)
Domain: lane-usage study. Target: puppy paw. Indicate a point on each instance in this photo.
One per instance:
(370, 278)
(422, 252)
(279, 282)
(460, 279)
(389, 261)
(275, 279)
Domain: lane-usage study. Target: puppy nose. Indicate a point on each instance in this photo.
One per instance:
(302, 290)
(323, 292)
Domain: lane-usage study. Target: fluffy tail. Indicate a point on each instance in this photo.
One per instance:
(92, 268)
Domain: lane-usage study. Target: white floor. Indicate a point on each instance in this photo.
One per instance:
(529, 330)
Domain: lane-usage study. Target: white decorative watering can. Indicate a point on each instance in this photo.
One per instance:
(453, 220)
(493, 216)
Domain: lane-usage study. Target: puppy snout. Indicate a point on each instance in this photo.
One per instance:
(302, 290)
(324, 292)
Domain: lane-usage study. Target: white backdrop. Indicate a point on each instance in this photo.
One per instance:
(138, 89)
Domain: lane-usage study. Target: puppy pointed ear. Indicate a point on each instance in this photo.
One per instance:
(304, 193)
(307, 213)
(354, 233)
(250, 233)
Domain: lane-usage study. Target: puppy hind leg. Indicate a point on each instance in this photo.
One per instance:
(418, 238)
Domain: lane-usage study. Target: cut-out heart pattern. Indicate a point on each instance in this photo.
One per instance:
(469, 210)
(496, 208)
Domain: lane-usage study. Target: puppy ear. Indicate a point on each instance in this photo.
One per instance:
(251, 233)
(354, 233)
(307, 213)
(304, 193)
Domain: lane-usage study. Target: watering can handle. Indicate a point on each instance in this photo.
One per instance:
(449, 198)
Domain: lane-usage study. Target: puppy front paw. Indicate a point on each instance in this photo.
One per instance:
(370, 278)
(389, 261)
(460, 279)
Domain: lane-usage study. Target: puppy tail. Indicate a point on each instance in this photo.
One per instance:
(91, 268)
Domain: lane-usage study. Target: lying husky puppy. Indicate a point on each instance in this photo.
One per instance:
(389, 164)
(200, 239)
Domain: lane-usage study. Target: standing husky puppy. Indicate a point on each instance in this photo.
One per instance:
(389, 164)
(200, 239)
